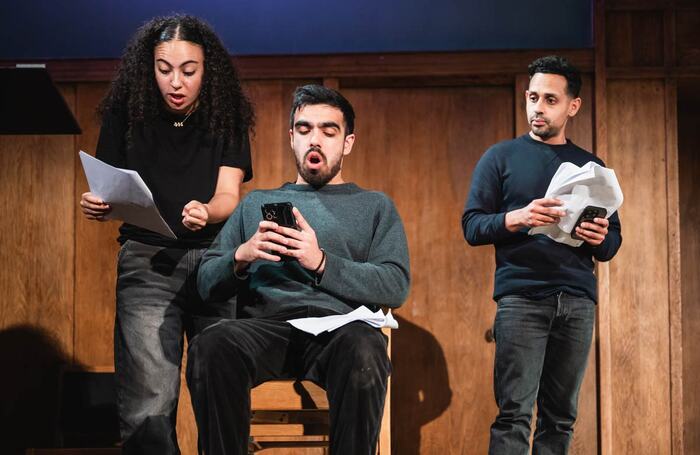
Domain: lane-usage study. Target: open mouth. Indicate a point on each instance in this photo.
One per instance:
(314, 159)
(176, 98)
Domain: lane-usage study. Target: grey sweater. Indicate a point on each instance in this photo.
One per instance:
(366, 255)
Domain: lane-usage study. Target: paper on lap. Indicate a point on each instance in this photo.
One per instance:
(318, 325)
(578, 187)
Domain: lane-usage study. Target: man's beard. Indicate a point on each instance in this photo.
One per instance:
(317, 178)
(544, 132)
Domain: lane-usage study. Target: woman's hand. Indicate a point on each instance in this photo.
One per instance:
(195, 215)
(93, 207)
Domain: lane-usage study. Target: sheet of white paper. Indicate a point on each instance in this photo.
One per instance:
(126, 193)
(315, 326)
(578, 187)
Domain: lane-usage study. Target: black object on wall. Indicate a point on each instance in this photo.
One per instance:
(31, 104)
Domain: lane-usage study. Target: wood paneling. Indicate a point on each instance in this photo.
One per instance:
(36, 282)
(689, 210)
(639, 275)
(36, 246)
(635, 38)
(387, 65)
(96, 250)
(674, 266)
(636, 4)
(688, 37)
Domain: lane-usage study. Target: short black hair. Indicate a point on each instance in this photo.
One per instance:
(314, 94)
(554, 64)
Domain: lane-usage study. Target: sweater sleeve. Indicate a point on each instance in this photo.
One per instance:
(215, 278)
(384, 278)
(482, 221)
(607, 250)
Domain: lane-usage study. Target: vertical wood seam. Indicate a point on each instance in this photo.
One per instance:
(605, 424)
(674, 269)
(75, 230)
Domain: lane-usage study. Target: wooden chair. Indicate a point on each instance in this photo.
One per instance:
(290, 414)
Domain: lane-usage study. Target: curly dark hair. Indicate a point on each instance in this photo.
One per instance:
(554, 64)
(135, 90)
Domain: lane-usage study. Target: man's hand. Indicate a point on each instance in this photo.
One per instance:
(195, 215)
(593, 233)
(260, 245)
(540, 212)
(303, 244)
(93, 207)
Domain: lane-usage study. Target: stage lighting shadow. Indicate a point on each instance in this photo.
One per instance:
(420, 385)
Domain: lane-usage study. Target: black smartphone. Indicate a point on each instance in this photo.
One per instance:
(588, 214)
(280, 213)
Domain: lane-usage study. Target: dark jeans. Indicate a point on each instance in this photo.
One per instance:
(157, 301)
(229, 358)
(541, 354)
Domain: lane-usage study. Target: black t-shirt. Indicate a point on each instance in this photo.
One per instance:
(177, 164)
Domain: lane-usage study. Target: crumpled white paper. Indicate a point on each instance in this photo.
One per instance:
(315, 326)
(579, 187)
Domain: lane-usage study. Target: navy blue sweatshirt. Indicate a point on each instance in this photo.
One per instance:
(508, 177)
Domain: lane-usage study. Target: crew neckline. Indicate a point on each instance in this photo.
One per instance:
(530, 139)
(328, 188)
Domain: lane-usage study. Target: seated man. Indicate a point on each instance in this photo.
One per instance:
(349, 250)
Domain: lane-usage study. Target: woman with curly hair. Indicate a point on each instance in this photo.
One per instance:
(177, 115)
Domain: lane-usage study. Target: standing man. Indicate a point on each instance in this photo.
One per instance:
(545, 291)
(349, 250)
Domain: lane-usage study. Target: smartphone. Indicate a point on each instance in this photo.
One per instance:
(588, 214)
(280, 213)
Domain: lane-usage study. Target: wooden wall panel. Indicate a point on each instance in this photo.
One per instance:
(96, 250)
(639, 293)
(36, 281)
(635, 38)
(689, 167)
(36, 246)
(687, 37)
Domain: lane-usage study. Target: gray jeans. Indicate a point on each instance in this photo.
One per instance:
(541, 355)
(157, 302)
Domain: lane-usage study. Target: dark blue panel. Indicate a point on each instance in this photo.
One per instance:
(36, 29)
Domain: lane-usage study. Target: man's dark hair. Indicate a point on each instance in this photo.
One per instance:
(312, 94)
(553, 64)
(135, 92)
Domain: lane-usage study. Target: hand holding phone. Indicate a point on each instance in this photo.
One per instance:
(587, 216)
(280, 213)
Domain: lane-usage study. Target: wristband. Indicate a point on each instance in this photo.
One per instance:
(323, 258)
